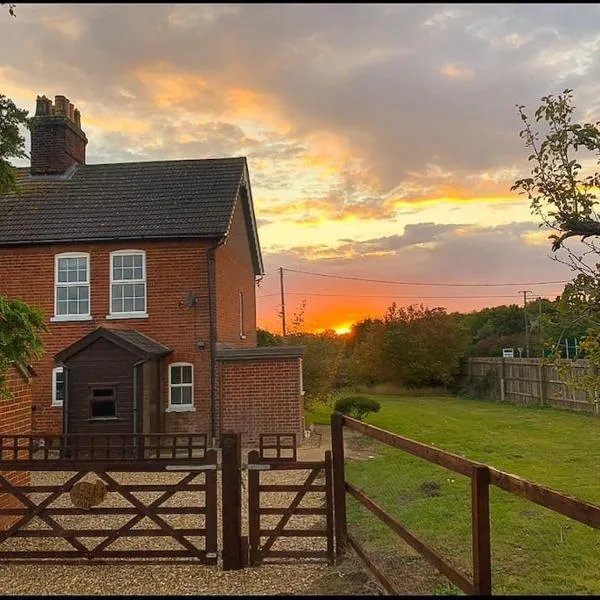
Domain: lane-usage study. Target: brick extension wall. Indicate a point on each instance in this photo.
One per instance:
(261, 396)
(15, 419)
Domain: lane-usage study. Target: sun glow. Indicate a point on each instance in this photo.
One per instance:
(344, 328)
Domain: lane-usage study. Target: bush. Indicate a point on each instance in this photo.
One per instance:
(357, 407)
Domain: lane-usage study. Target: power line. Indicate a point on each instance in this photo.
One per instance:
(392, 296)
(421, 282)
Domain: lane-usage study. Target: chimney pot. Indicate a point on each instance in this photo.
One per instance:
(56, 143)
(61, 106)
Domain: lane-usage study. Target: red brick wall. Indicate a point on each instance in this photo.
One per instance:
(235, 274)
(173, 268)
(15, 419)
(261, 396)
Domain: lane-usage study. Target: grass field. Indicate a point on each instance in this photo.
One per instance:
(534, 551)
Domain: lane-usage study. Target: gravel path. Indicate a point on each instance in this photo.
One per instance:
(173, 579)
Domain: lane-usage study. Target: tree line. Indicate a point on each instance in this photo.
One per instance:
(422, 347)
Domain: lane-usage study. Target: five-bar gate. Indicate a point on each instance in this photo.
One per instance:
(317, 518)
(159, 487)
(91, 494)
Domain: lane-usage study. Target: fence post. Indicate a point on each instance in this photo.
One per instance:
(541, 371)
(329, 501)
(339, 483)
(502, 380)
(210, 504)
(480, 506)
(231, 490)
(254, 508)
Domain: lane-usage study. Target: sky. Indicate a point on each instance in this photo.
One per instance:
(382, 140)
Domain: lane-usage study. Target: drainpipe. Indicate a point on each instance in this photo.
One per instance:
(212, 320)
(65, 416)
(135, 400)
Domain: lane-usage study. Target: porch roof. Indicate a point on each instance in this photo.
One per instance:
(129, 339)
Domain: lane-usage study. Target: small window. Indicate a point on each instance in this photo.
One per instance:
(72, 286)
(58, 386)
(128, 283)
(103, 403)
(241, 309)
(181, 386)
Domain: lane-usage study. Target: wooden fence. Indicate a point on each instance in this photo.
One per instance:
(479, 581)
(530, 381)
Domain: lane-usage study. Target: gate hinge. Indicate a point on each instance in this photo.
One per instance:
(256, 467)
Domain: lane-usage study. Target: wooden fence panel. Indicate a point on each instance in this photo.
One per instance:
(530, 381)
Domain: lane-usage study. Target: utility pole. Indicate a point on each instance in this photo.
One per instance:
(283, 328)
(525, 292)
(540, 326)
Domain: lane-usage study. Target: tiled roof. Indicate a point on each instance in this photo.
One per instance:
(134, 341)
(142, 341)
(143, 200)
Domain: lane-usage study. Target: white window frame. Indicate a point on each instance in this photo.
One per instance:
(130, 314)
(79, 317)
(301, 380)
(241, 311)
(55, 371)
(181, 407)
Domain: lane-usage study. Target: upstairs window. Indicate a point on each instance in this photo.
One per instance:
(181, 386)
(72, 286)
(128, 283)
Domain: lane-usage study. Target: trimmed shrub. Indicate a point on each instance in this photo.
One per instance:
(357, 407)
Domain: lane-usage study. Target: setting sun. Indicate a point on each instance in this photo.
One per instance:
(344, 328)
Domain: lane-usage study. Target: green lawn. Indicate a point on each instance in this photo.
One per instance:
(534, 551)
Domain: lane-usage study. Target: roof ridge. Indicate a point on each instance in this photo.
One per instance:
(175, 160)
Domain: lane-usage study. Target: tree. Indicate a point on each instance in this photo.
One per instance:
(11, 8)
(266, 338)
(20, 324)
(423, 346)
(563, 192)
(12, 143)
(19, 336)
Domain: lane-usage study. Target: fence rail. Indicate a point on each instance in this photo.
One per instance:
(54, 452)
(481, 475)
(531, 381)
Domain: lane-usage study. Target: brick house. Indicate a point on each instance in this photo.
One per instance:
(146, 273)
(15, 419)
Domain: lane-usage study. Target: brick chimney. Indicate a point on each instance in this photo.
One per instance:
(57, 141)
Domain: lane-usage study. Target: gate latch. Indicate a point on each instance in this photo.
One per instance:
(257, 467)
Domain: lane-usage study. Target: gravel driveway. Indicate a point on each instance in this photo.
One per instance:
(171, 579)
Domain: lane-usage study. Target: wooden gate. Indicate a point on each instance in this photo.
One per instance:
(123, 469)
(271, 458)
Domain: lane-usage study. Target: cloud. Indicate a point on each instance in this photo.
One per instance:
(358, 121)
(461, 254)
(376, 88)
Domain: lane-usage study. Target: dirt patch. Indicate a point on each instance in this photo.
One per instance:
(347, 579)
(356, 445)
